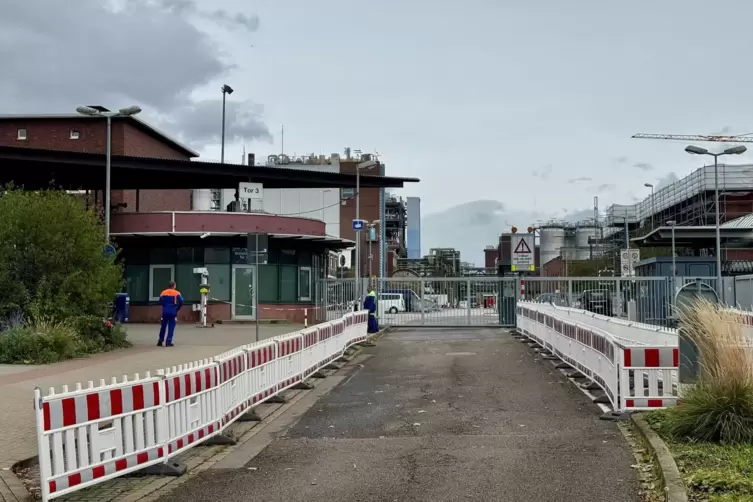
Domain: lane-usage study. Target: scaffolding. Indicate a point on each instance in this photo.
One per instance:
(690, 201)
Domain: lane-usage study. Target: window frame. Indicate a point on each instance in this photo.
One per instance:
(22, 137)
(310, 280)
(151, 278)
(74, 134)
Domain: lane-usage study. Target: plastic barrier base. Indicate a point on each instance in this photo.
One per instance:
(169, 468)
(303, 386)
(615, 416)
(249, 416)
(221, 440)
(278, 399)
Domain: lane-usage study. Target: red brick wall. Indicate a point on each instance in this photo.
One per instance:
(222, 312)
(127, 139)
(553, 268)
(369, 211)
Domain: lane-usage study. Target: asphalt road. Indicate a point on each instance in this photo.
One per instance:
(438, 415)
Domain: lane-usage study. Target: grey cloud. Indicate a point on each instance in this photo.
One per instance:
(544, 172)
(146, 53)
(606, 187)
(578, 180)
(202, 122)
(620, 160)
(666, 180)
(643, 166)
(188, 7)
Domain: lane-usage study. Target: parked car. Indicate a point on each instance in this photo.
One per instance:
(390, 303)
(598, 301)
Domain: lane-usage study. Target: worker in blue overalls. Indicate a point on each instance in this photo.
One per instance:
(370, 304)
(171, 301)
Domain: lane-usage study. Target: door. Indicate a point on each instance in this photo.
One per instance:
(244, 288)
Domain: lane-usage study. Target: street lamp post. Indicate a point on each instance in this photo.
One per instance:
(653, 203)
(672, 224)
(371, 226)
(369, 164)
(226, 89)
(95, 112)
(735, 150)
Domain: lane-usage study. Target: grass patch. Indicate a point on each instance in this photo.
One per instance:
(711, 471)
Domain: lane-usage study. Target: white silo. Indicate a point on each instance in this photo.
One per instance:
(551, 241)
(584, 233)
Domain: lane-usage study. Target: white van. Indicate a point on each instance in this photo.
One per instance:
(391, 303)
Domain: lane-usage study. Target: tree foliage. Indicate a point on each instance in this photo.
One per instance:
(52, 260)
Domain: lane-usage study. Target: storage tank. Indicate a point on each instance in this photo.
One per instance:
(583, 233)
(551, 241)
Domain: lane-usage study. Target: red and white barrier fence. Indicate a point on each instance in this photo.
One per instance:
(95, 433)
(634, 375)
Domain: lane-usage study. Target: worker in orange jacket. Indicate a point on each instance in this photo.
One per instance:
(171, 301)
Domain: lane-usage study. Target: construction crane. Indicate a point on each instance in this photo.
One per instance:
(741, 138)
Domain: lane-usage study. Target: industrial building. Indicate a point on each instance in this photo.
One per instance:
(413, 227)
(162, 220)
(440, 262)
(688, 202)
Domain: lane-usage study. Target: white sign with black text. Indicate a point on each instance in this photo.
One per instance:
(628, 259)
(253, 191)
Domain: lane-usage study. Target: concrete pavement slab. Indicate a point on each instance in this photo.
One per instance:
(439, 415)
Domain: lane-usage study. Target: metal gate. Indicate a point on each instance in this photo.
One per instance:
(490, 301)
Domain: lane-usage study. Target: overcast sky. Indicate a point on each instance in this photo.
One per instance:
(527, 103)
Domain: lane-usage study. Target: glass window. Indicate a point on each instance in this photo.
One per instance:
(304, 283)
(288, 284)
(287, 257)
(219, 282)
(190, 255)
(21, 134)
(304, 258)
(137, 282)
(188, 283)
(162, 255)
(268, 284)
(216, 255)
(159, 277)
(347, 193)
(75, 134)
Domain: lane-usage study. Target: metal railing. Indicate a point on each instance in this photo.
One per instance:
(490, 301)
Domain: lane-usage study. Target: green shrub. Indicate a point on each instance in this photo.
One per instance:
(100, 333)
(40, 342)
(719, 407)
(52, 256)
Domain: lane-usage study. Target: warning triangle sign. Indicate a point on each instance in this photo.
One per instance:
(522, 247)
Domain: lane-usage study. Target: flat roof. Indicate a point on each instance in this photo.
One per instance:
(694, 236)
(145, 127)
(40, 168)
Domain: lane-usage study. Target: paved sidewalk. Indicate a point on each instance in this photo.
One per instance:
(17, 427)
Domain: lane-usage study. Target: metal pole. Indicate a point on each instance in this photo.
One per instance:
(718, 231)
(256, 283)
(370, 255)
(674, 263)
(358, 236)
(653, 209)
(107, 178)
(222, 151)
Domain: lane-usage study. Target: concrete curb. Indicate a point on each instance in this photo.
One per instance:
(379, 334)
(674, 489)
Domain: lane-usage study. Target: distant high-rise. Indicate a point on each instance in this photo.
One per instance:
(413, 227)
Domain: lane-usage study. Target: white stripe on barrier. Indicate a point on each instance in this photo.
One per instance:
(93, 434)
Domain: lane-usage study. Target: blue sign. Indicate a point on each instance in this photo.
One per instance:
(109, 250)
(358, 225)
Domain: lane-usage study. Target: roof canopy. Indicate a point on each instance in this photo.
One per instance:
(696, 237)
(36, 169)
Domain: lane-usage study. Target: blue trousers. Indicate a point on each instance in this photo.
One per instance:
(373, 324)
(168, 322)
